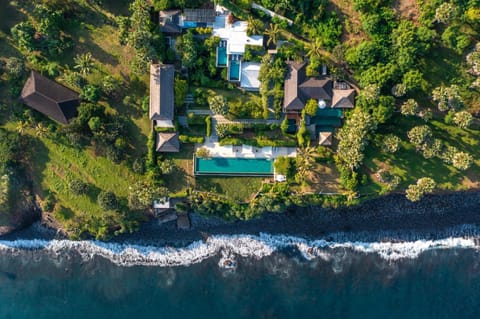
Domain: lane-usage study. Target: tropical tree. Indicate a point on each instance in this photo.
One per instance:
(463, 119)
(399, 90)
(306, 157)
(311, 107)
(390, 143)
(23, 34)
(41, 130)
(353, 138)
(425, 114)
(445, 13)
(142, 194)
(462, 160)
(14, 68)
(84, 63)
(181, 90)
(90, 93)
(419, 135)
(447, 98)
(255, 26)
(110, 85)
(107, 200)
(423, 186)
(167, 166)
(315, 48)
(432, 148)
(187, 49)
(78, 187)
(22, 127)
(409, 107)
(273, 33)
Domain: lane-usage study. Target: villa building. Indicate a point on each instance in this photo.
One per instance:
(233, 40)
(162, 109)
(50, 98)
(332, 97)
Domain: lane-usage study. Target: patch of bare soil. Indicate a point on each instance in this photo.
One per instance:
(407, 9)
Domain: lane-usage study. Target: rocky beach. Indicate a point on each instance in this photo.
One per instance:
(390, 218)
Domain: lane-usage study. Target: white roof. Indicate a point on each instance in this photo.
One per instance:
(249, 77)
(236, 35)
(280, 178)
(161, 203)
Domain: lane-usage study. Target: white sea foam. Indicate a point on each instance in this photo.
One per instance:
(234, 245)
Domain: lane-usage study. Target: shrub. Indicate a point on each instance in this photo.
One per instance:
(90, 93)
(107, 200)
(203, 153)
(208, 122)
(145, 103)
(138, 166)
(191, 139)
(48, 203)
(167, 166)
(78, 187)
(181, 207)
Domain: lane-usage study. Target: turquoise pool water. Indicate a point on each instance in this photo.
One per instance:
(329, 112)
(221, 56)
(234, 70)
(233, 166)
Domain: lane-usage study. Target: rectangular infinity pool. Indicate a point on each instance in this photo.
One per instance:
(233, 166)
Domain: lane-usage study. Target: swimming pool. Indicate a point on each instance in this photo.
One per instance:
(221, 56)
(233, 166)
(234, 73)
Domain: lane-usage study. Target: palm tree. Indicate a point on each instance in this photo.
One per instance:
(254, 26)
(84, 63)
(273, 32)
(306, 156)
(22, 127)
(315, 48)
(41, 130)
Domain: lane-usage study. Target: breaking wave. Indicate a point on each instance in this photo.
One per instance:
(250, 246)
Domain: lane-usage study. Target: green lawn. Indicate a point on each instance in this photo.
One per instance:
(410, 165)
(182, 178)
(236, 188)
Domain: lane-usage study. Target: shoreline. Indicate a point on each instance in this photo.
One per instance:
(385, 218)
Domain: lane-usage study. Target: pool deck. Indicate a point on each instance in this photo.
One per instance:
(246, 151)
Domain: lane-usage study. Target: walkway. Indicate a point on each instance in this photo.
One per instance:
(247, 151)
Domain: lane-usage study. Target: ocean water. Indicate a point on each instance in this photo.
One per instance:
(342, 276)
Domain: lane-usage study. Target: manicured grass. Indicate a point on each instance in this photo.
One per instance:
(410, 165)
(236, 188)
(182, 178)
